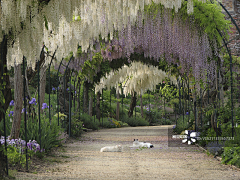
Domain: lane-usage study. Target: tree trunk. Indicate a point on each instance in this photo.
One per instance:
(141, 105)
(132, 105)
(42, 85)
(78, 95)
(98, 112)
(117, 110)
(86, 88)
(7, 96)
(91, 104)
(18, 102)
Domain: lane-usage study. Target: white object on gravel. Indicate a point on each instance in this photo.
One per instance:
(117, 148)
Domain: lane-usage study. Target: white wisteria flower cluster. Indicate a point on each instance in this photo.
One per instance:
(70, 23)
(137, 78)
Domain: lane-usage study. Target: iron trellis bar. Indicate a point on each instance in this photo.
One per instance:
(49, 86)
(230, 56)
(65, 83)
(25, 111)
(236, 38)
(57, 90)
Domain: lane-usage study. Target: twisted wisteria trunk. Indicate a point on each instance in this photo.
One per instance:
(86, 88)
(43, 76)
(98, 112)
(117, 110)
(90, 104)
(18, 102)
(7, 96)
(141, 105)
(132, 105)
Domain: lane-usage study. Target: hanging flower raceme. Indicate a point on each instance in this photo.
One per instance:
(135, 78)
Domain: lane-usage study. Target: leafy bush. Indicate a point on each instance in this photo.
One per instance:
(49, 132)
(181, 125)
(77, 127)
(136, 122)
(231, 155)
(88, 121)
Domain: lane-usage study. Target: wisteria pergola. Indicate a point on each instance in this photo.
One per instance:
(160, 29)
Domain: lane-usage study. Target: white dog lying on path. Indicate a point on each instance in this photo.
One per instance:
(117, 148)
(136, 143)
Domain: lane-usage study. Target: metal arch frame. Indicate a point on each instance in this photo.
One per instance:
(49, 84)
(230, 56)
(64, 86)
(39, 115)
(64, 81)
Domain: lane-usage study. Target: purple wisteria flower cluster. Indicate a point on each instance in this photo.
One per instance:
(21, 144)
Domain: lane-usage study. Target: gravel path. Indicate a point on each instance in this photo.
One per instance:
(161, 162)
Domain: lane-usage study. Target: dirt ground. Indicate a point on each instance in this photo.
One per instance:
(82, 158)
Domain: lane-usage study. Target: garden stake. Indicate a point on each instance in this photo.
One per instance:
(25, 118)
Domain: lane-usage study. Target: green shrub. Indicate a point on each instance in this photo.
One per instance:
(77, 127)
(136, 122)
(231, 155)
(16, 158)
(88, 121)
(49, 132)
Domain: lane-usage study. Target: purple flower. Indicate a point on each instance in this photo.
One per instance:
(11, 103)
(67, 89)
(75, 92)
(33, 101)
(53, 89)
(174, 126)
(187, 113)
(11, 113)
(44, 106)
(23, 110)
